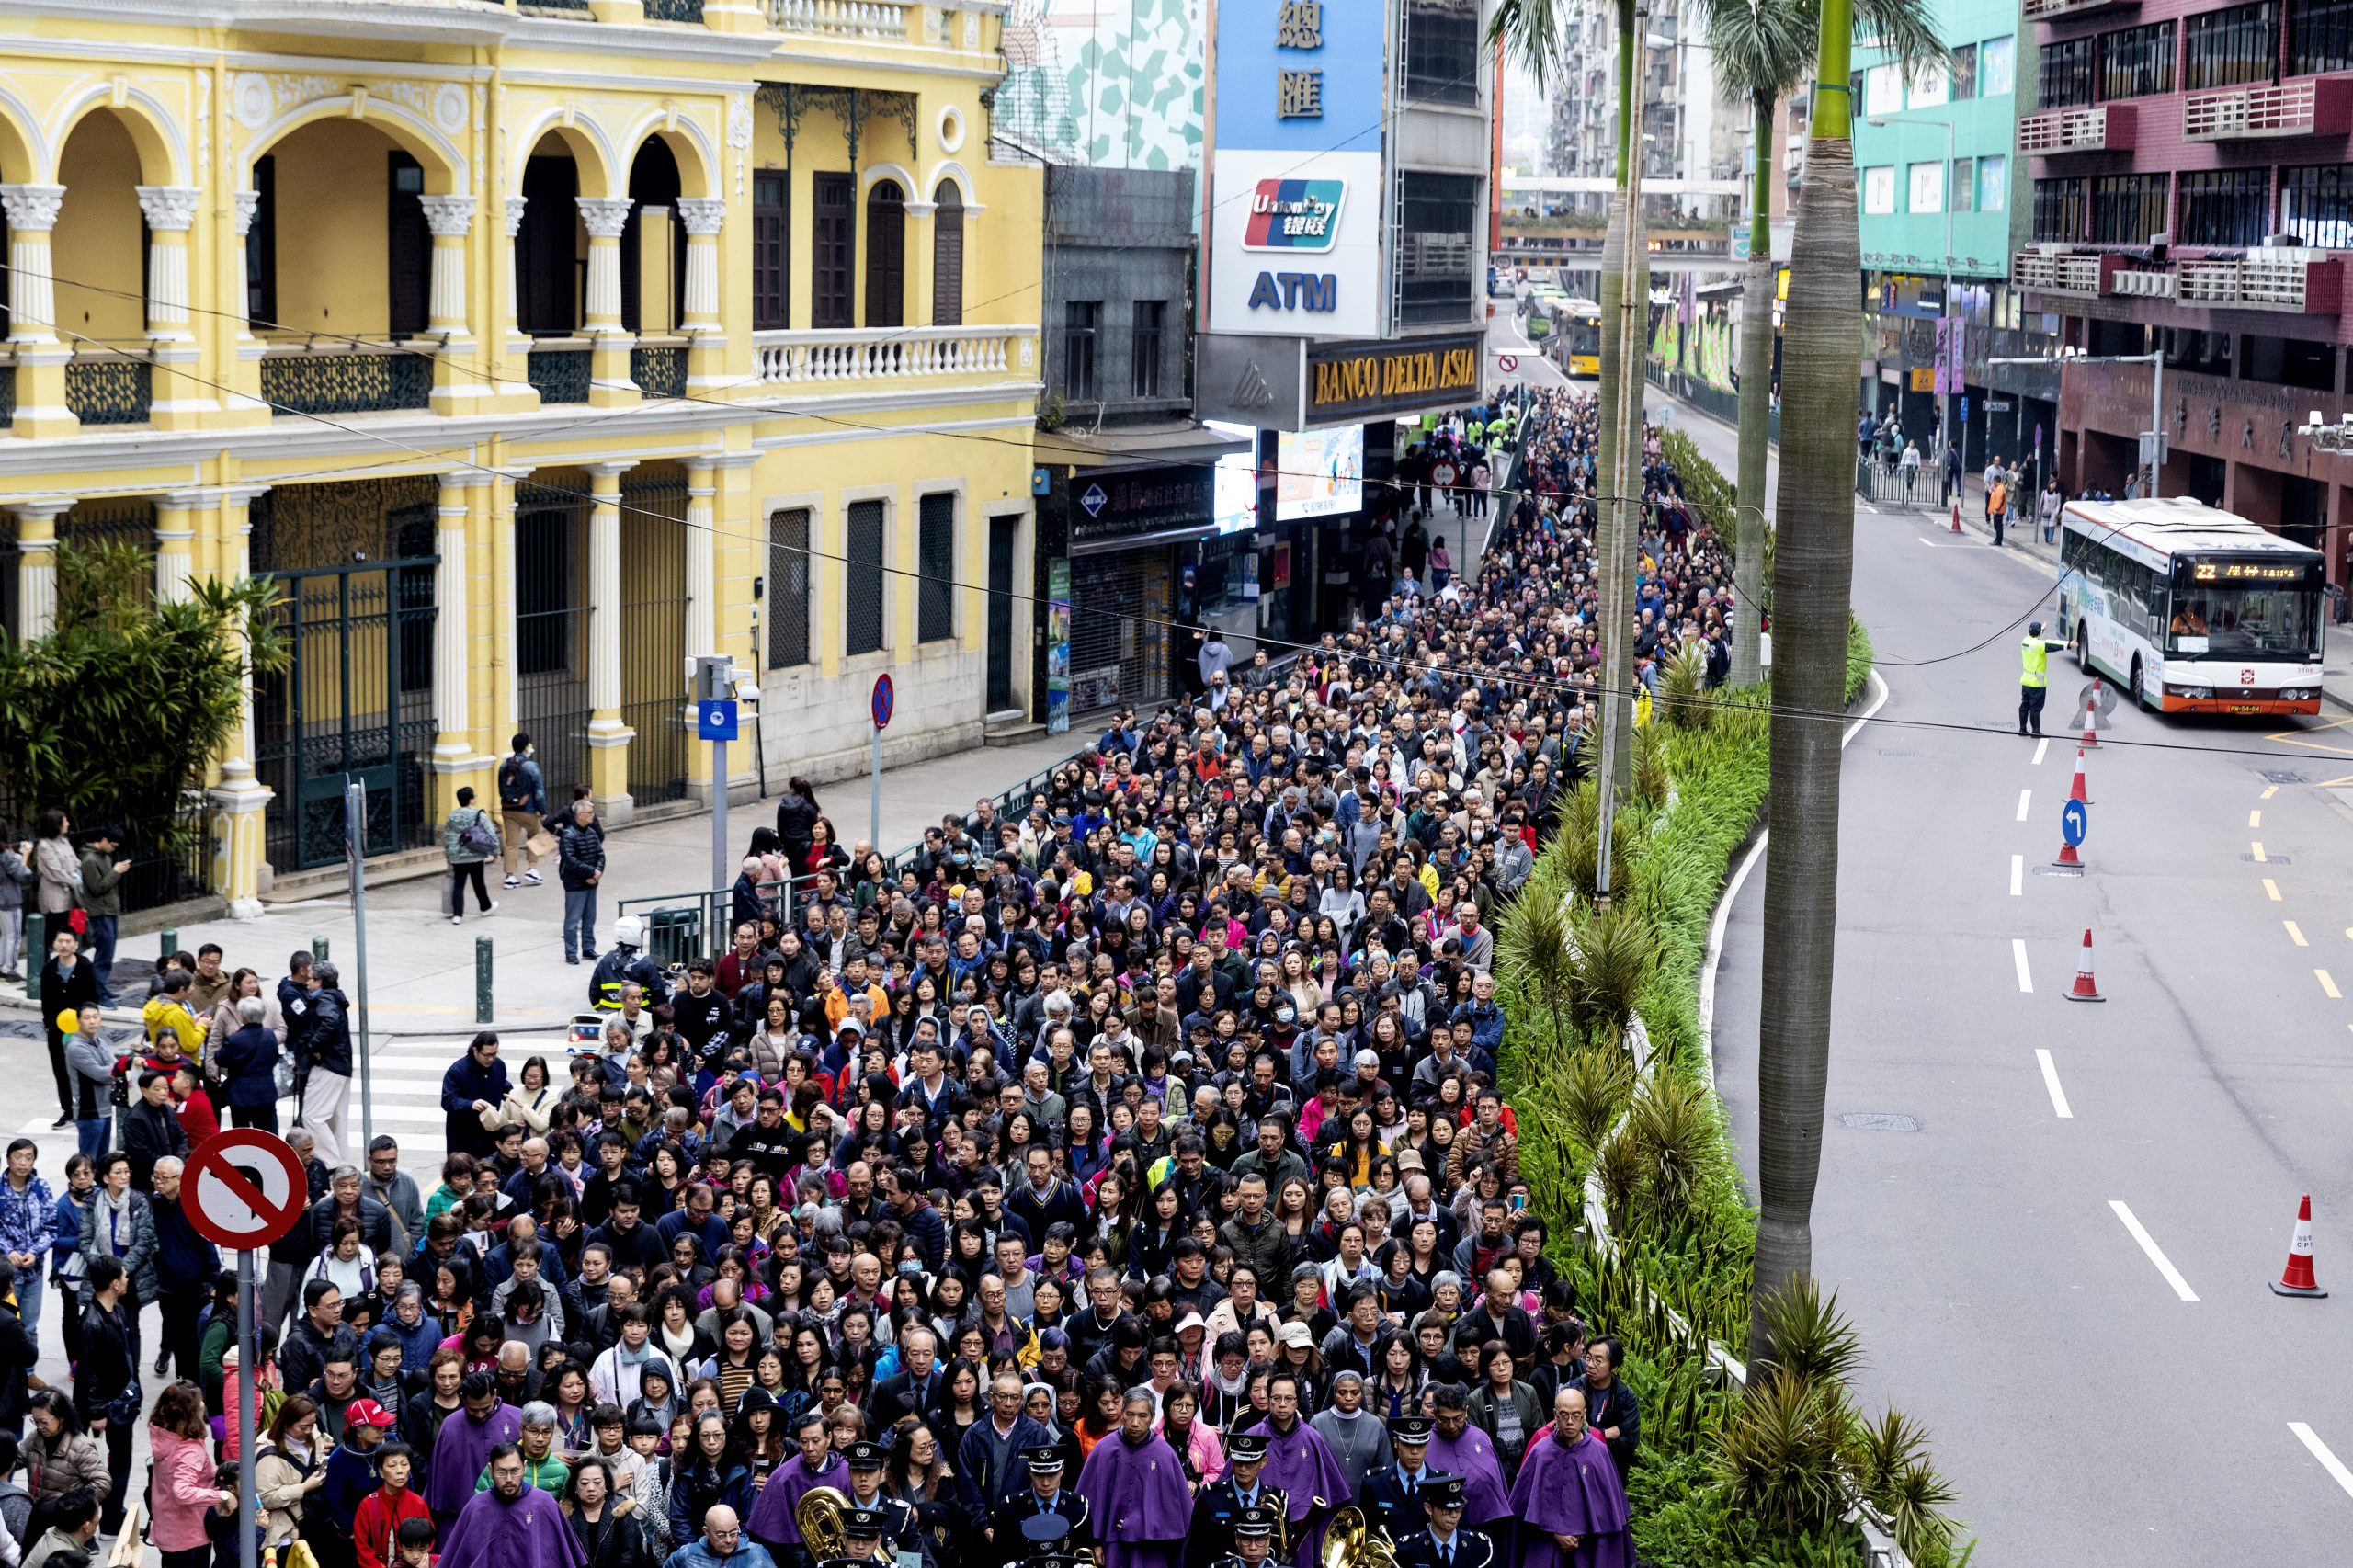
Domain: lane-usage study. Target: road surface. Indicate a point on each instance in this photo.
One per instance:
(2054, 1224)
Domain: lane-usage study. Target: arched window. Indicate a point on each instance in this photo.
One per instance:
(886, 254)
(947, 256)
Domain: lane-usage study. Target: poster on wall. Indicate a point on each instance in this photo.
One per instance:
(1319, 473)
(1058, 647)
(1235, 499)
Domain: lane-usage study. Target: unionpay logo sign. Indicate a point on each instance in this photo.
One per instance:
(1294, 215)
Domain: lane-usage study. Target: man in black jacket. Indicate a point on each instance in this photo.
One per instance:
(151, 1129)
(317, 1333)
(186, 1267)
(580, 866)
(18, 1355)
(106, 1380)
(326, 1092)
(68, 982)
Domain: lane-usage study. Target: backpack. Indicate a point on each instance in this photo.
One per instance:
(514, 790)
(475, 837)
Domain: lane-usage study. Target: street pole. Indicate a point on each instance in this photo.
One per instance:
(721, 877)
(355, 832)
(2156, 416)
(874, 797)
(249, 1409)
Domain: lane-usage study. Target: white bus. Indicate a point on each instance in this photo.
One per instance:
(2190, 610)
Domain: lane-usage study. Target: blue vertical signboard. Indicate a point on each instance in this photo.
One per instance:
(1297, 184)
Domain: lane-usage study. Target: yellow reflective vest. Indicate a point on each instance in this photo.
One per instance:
(2035, 654)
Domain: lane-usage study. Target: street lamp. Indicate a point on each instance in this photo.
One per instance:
(1944, 185)
(2155, 443)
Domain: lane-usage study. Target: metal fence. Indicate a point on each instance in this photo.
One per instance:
(1920, 489)
(1712, 401)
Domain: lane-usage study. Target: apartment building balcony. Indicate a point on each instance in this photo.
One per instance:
(2311, 105)
(2069, 10)
(2080, 274)
(881, 359)
(2107, 128)
(339, 377)
(2290, 280)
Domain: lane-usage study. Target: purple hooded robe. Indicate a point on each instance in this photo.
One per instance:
(1138, 1499)
(1472, 1457)
(460, 1450)
(1302, 1464)
(1571, 1490)
(772, 1523)
(529, 1532)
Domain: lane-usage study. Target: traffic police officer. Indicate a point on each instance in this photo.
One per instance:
(1047, 1498)
(1443, 1542)
(2034, 678)
(861, 1540)
(1392, 1499)
(1217, 1509)
(1253, 1538)
(899, 1524)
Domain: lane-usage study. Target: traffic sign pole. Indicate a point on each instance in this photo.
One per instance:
(884, 698)
(248, 1407)
(720, 875)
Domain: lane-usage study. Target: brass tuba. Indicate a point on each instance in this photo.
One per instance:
(1351, 1541)
(819, 1515)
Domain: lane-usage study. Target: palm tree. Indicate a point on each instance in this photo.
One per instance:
(1763, 48)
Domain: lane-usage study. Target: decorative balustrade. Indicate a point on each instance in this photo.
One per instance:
(110, 389)
(885, 20)
(2062, 272)
(659, 369)
(895, 354)
(2312, 105)
(345, 377)
(2107, 128)
(560, 374)
(674, 11)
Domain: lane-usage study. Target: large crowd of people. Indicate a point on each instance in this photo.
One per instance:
(1122, 1180)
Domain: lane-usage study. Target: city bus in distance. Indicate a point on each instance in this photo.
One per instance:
(1580, 352)
(2191, 610)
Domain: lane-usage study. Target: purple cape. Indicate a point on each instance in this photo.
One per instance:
(1138, 1501)
(1472, 1457)
(529, 1532)
(1571, 1491)
(772, 1524)
(1302, 1466)
(461, 1450)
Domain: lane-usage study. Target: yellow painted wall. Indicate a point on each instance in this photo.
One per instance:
(333, 199)
(98, 233)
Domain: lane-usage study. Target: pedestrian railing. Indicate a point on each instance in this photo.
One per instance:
(1920, 489)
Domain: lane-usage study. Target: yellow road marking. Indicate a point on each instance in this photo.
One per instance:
(2295, 738)
(2269, 790)
(2258, 851)
(2294, 934)
(2327, 985)
(2254, 819)
(2271, 889)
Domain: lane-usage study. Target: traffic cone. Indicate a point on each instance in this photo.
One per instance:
(2297, 1280)
(2086, 989)
(2075, 791)
(2091, 718)
(1956, 512)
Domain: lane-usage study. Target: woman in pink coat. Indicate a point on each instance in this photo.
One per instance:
(183, 1489)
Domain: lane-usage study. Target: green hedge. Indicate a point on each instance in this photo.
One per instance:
(1687, 1245)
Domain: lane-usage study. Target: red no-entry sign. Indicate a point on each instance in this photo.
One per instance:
(245, 1189)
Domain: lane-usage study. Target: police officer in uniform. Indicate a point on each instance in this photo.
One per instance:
(900, 1527)
(2034, 678)
(624, 962)
(1047, 1498)
(861, 1540)
(1442, 1542)
(1392, 1499)
(1253, 1538)
(1217, 1509)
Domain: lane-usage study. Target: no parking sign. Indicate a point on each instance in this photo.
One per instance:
(245, 1189)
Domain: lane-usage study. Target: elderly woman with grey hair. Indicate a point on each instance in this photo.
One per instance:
(246, 1062)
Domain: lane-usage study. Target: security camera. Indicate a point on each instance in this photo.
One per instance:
(2313, 421)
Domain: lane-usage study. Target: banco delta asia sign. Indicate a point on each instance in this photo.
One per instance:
(1296, 169)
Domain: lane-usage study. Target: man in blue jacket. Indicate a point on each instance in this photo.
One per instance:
(186, 1267)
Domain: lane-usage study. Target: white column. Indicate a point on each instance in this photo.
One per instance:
(448, 217)
(171, 212)
(175, 542)
(702, 217)
(248, 206)
(36, 566)
(452, 671)
(702, 577)
(605, 589)
(515, 342)
(236, 565)
(605, 216)
(32, 297)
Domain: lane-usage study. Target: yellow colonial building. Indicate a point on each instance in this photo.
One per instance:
(532, 349)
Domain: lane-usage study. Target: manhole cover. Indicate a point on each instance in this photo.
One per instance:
(2267, 860)
(2272, 775)
(1879, 1122)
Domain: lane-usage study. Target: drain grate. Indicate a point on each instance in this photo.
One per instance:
(1880, 1121)
(2273, 776)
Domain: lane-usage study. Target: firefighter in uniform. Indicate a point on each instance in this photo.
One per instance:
(1047, 1498)
(1442, 1542)
(1253, 1538)
(1211, 1535)
(901, 1529)
(2034, 678)
(1392, 1499)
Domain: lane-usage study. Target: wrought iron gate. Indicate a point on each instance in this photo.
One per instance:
(653, 630)
(1119, 629)
(551, 629)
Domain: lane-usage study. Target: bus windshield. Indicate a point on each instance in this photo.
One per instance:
(1585, 336)
(2225, 622)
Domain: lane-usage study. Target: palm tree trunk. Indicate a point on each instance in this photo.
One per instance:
(1813, 572)
(1756, 409)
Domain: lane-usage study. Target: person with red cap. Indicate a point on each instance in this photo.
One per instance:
(351, 1480)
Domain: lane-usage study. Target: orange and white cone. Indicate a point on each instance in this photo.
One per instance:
(2091, 718)
(2086, 989)
(1956, 511)
(2297, 1279)
(2076, 792)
